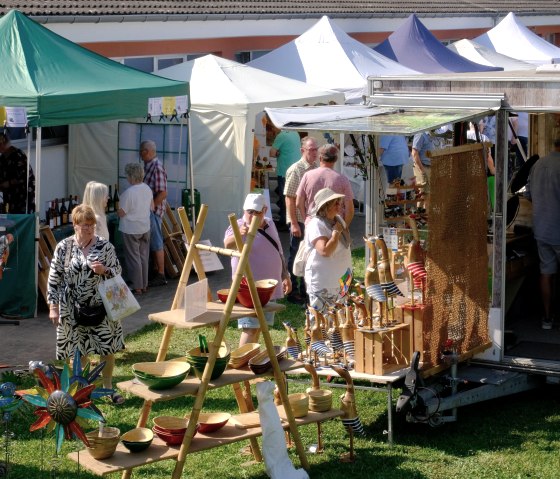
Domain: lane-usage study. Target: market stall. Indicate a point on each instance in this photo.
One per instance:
(62, 83)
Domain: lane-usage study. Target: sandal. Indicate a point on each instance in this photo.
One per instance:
(117, 398)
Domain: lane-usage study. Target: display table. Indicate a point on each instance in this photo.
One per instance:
(383, 383)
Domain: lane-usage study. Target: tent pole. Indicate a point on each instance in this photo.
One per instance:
(191, 167)
(37, 200)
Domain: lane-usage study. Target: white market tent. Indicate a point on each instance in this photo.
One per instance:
(226, 97)
(485, 56)
(512, 38)
(327, 57)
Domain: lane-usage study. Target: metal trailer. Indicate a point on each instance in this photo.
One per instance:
(420, 103)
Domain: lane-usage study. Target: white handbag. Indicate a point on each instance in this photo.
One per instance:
(117, 298)
(302, 254)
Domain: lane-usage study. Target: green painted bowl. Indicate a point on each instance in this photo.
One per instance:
(138, 439)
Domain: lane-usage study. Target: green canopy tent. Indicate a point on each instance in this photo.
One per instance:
(61, 83)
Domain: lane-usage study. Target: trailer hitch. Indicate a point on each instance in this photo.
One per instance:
(412, 380)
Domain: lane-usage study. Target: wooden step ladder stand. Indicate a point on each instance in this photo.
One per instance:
(243, 269)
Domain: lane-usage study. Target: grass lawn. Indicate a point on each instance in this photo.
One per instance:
(514, 437)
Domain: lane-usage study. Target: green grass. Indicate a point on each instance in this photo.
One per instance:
(514, 437)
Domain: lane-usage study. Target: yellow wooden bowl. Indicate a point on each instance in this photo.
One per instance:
(299, 403)
(171, 424)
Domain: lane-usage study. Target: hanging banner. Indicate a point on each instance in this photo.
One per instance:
(18, 290)
(168, 107)
(15, 116)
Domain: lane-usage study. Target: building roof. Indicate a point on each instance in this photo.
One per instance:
(198, 9)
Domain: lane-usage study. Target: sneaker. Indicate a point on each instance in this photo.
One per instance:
(546, 323)
(158, 280)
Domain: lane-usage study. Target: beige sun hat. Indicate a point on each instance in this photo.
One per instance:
(324, 196)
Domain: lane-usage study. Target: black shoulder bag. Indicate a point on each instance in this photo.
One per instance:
(84, 315)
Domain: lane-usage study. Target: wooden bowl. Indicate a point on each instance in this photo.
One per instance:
(260, 363)
(320, 400)
(241, 356)
(212, 422)
(299, 403)
(223, 295)
(161, 375)
(171, 424)
(137, 439)
(104, 446)
(169, 439)
(265, 289)
(198, 361)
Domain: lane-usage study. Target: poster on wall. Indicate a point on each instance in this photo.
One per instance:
(18, 290)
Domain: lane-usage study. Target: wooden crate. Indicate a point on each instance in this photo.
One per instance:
(413, 316)
(384, 351)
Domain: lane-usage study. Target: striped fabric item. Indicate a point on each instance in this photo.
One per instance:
(391, 289)
(418, 272)
(336, 340)
(324, 334)
(375, 291)
(349, 348)
(294, 351)
(354, 424)
(320, 348)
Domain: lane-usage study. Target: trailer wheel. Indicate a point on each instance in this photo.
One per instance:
(435, 420)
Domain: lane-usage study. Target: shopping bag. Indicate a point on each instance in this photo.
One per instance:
(117, 298)
(301, 258)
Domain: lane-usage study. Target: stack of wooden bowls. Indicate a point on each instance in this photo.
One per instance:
(241, 356)
(161, 375)
(320, 400)
(260, 363)
(171, 429)
(299, 403)
(198, 361)
(102, 445)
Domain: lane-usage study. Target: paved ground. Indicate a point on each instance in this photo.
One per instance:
(34, 338)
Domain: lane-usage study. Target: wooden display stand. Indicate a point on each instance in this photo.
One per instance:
(173, 245)
(413, 316)
(382, 351)
(218, 316)
(401, 202)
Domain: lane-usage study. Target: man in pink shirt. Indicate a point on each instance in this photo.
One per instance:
(325, 177)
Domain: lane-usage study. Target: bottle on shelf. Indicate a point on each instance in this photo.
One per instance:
(70, 208)
(63, 212)
(56, 213)
(109, 207)
(50, 214)
(116, 198)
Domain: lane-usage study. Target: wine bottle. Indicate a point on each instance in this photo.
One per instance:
(109, 207)
(116, 198)
(63, 212)
(70, 208)
(50, 213)
(56, 213)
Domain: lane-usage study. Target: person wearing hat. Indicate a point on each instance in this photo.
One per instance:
(266, 260)
(330, 257)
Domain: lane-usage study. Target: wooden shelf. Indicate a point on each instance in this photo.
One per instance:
(189, 387)
(176, 317)
(159, 451)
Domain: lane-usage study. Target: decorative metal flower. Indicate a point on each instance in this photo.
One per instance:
(9, 401)
(65, 403)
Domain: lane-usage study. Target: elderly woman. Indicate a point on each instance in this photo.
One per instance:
(96, 196)
(135, 205)
(266, 260)
(79, 264)
(329, 260)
